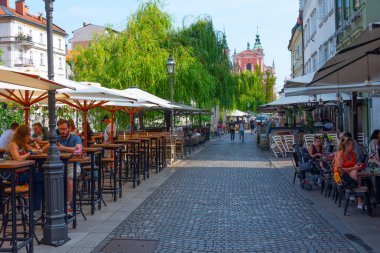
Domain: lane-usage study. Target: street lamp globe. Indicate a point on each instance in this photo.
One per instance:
(170, 65)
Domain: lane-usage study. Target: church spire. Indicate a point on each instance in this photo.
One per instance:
(257, 42)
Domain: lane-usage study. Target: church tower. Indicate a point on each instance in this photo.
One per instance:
(248, 59)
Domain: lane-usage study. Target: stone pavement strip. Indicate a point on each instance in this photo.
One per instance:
(228, 198)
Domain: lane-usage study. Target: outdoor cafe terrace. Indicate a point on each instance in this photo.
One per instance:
(101, 171)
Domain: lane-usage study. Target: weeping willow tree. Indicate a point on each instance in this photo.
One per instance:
(210, 49)
(137, 56)
(254, 89)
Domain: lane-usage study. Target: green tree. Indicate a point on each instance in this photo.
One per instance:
(136, 56)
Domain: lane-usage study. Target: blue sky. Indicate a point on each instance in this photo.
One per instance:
(239, 18)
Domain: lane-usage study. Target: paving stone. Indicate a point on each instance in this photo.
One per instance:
(229, 198)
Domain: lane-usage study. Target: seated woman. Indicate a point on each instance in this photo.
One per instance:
(345, 160)
(374, 146)
(18, 149)
(73, 129)
(316, 149)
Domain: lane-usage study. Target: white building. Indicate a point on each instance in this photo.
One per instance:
(23, 40)
(84, 35)
(318, 32)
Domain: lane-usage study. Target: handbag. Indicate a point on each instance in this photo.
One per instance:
(347, 179)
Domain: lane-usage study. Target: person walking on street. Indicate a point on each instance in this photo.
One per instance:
(219, 130)
(252, 125)
(241, 131)
(232, 130)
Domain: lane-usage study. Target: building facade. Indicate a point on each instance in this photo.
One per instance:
(248, 59)
(318, 33)
(296, 49)
(23, 40)
(83, 36)
(352, 18)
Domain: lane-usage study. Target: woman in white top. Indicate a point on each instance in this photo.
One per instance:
(374, 146)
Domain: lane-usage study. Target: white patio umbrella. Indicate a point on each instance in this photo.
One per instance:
(236, 113)
(30, 80)
(143, 96)
(26, 89)
(129, 107)
(88, 96)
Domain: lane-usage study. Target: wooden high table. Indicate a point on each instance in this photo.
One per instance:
(132, 155)
(376, 188)
(12, 166)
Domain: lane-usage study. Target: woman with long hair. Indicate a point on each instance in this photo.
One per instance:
(374, 146)
(73, 129)
(316, 149)
(345, 161)
(19, 149)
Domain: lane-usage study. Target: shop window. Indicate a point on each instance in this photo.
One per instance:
(347, 9)
(357, 4)
(339, 12)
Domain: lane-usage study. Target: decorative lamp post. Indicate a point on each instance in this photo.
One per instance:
(170, 66)
(55, 230)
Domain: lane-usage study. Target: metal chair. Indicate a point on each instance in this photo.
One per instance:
(289, 143)
(308, 140)
(278, 147)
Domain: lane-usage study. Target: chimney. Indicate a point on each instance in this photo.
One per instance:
(4, 2)
(20, 7)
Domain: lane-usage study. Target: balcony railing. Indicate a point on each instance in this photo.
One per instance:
(24, 40)
(24, 62)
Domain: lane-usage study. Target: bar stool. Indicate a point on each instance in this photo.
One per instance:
(155, 154)
(115, 173)
(21, 210)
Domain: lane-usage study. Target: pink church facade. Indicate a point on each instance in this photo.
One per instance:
(248, 59)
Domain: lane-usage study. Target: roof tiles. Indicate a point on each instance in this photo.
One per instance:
(10, 12)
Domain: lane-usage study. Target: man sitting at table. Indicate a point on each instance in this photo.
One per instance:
(7, 135)
(40, 134)
(107, 131)
(68, 143)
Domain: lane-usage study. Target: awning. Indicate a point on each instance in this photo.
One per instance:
(348, 88)
(290, 101)
(358, 63)
(300, 81)
(236, 113)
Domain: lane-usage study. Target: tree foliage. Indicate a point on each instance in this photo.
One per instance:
(137, 56)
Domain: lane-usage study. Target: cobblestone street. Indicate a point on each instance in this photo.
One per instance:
(228, 198)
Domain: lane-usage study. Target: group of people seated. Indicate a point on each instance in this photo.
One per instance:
(20, 143)
(348, 158)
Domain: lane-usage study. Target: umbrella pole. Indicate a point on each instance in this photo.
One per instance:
(26, 115)
(85, 128)
(112, 120)
(131, 125)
